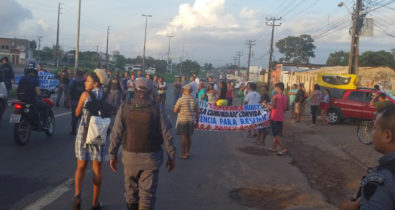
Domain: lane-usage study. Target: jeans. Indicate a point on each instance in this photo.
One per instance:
(74, 119)
(43, 108)
(314, 112)
(62, 88)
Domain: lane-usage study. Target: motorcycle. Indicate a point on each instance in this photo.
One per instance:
(26, 118)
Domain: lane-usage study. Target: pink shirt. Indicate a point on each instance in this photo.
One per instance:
(277, 113)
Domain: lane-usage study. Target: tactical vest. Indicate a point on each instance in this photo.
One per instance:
(370, 187)
(142, 128)
(114, 84)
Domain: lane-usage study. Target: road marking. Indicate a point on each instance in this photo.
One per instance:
(62, 114)
(51, 196)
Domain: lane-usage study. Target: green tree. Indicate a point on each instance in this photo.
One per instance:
(120, 61)
(378, 58)
(208, 67)
(296, 50)
(338, 58)
(188, 67)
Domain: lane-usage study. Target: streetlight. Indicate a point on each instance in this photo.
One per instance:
(168, 56)
(145, 39)
(77, 45)
(341, 4)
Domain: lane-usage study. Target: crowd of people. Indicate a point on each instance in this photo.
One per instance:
(141, 124)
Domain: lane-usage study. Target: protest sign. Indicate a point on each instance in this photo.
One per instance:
(48, 80)
(232, 118)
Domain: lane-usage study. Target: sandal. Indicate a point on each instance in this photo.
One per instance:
(77, 203)
(183, 157)
(97, 207)
(282, 153)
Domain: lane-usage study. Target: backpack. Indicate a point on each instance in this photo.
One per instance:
(77, 89)
(98, 121)
(100, 107)
(24, 92)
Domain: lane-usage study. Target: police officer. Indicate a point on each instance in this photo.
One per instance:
(377, 189)
(141, 126)
(76, 88)
(6, 73)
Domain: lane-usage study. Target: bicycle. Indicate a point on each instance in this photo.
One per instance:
(365, 132)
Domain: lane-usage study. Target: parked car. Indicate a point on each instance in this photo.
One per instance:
(354, 104)
(3, 98)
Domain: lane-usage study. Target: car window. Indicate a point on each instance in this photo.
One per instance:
(357, 96)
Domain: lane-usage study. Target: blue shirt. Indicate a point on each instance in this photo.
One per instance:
(384, 196)
(32, 82)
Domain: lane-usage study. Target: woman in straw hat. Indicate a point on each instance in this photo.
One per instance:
(89, 152)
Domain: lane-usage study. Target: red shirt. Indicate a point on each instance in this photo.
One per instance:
(229, 93)
(277, 113)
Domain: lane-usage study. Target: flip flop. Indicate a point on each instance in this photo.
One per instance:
(182, 157)
(282, 153)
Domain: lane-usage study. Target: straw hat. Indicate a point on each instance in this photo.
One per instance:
(102, 76)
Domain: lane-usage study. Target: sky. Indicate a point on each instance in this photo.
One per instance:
(208, 31)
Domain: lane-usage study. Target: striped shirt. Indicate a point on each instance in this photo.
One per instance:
(187, 106)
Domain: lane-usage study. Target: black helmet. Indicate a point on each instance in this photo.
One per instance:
(31, 68)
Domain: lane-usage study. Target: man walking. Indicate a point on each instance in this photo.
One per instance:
(141, 126)
(6, 73)
(377, 189)
(300, 101)
(77, 86)
(114, 96)
(63, 85)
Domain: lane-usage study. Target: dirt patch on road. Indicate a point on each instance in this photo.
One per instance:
(336, 178)
(275, 198)
(256, 151)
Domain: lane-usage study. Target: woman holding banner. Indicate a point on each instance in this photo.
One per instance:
(222, 101)
(211, 94)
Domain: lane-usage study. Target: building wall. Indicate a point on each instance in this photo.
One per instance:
(17, 50)
(368, 77)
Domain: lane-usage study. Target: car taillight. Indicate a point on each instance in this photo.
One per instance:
(17, 106)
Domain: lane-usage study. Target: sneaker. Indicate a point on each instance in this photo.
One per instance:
(77, 203)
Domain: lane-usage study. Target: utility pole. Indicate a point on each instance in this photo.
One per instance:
(77, 45)
(238, 55)
(235, 60)
(108, 33)
(97, 56)
(145, 39)
(182, 57)
(271, 22)
(250, 43)
(57, 39)
(169, 63)
(39, 52)
(356, 28)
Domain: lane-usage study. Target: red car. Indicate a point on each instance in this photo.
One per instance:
(353, 104)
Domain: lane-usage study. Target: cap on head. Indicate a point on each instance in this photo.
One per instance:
(143, 84)
(102, 76)
(187, 87)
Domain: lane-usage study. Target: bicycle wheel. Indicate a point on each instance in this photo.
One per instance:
(365, 132)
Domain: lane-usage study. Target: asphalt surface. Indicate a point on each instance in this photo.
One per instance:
(40, 174)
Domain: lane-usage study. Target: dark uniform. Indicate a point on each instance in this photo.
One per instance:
(377, 189)
(7, 74)
(141, 126)
(76, 88)
(114, 96)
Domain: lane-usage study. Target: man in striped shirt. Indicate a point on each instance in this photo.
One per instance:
(187, 108)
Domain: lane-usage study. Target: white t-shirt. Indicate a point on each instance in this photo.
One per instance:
(161, 86)
(252, 97)
(130, 83)
(194, 89)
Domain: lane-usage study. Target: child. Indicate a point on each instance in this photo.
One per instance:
(186, 107)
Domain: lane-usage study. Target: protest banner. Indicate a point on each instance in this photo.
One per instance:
(48, 80)
(232, 118)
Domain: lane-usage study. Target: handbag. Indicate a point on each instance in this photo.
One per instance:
(97, 130)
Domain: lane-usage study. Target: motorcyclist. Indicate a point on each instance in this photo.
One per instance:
(32, 93)
(6, 73)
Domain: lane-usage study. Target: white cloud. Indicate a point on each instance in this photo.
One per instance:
(202, 15)
(247, 13)
(43, 24)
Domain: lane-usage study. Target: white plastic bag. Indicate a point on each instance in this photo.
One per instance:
(97, 130)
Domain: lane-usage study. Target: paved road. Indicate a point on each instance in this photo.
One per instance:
(223, 166)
